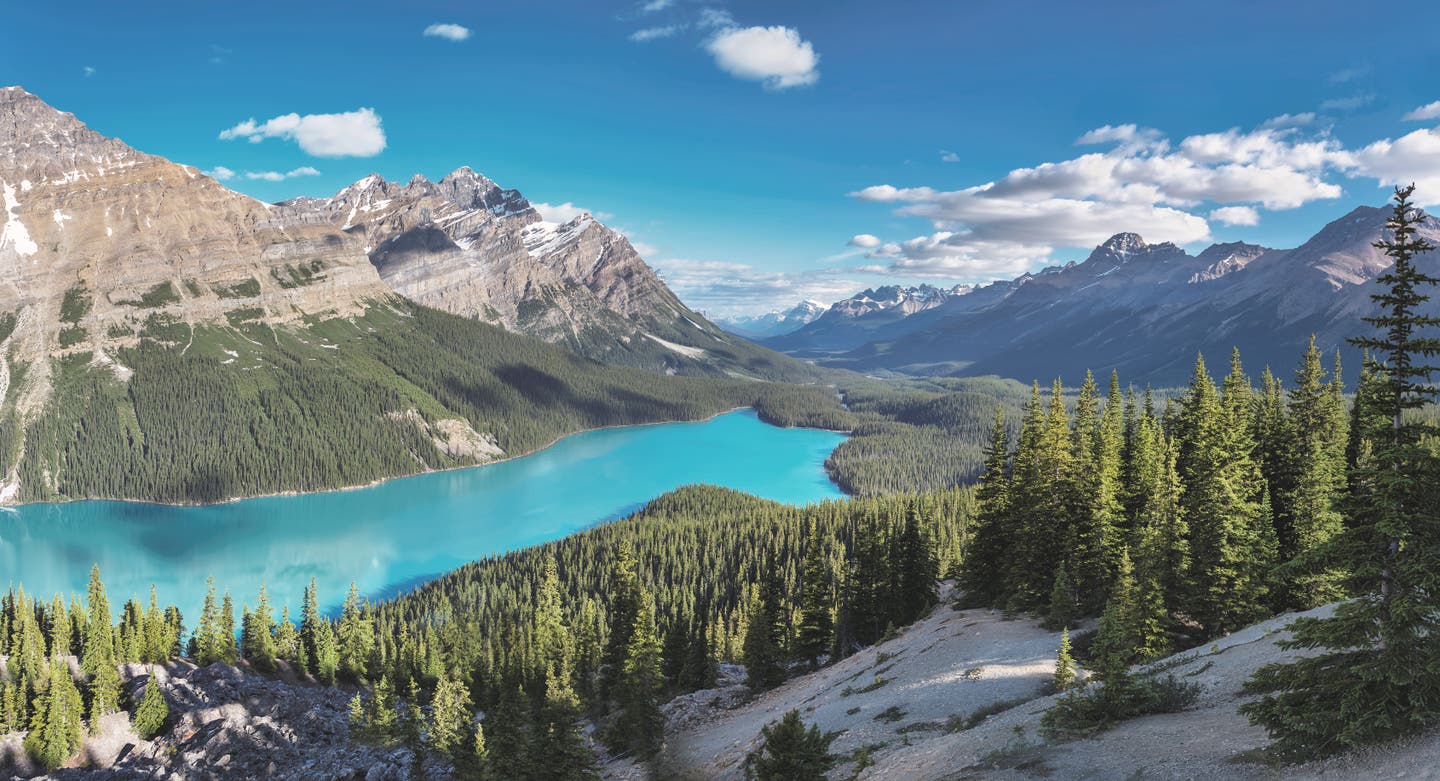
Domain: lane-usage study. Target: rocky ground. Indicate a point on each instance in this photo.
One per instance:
(959, 696)
(226, 724)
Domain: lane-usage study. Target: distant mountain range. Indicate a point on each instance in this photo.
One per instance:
(1144, 309)
(773, 323)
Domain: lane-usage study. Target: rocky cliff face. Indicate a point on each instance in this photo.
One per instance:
(127, 237)
(469, 247)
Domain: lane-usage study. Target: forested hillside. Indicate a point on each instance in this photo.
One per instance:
(207, 413)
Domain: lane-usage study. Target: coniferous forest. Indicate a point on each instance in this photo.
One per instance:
(1170, 523)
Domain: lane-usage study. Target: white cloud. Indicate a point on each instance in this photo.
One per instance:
(655, 33)
(1411, 158)
(1425, 112)
(1349, 103)
(716, 17)
(775, 56)
(448, 31)
(89, 71)
(946, 156)
(1290, 120)
(864, 241)
(565, 212)
(1236, 215)
(277, 176)
(1143, 183)
(351, 134)
(220, 173)
(723, 289)
(656, 5)
(1349, 74)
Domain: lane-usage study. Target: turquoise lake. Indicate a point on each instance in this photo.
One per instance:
(394, 535)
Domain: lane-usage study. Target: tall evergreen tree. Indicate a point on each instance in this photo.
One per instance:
(816, 634)
(1318, 480)
(625, 598)
(766, 635)
(355, 637)
(56, 729)
(1377, 678)
(639, 726)
(983, 574)
(99, 641)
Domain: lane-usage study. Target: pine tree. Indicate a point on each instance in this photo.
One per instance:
(228, 653)
(917, 568)
(507, 743)
(699, 670)
(1318, 483)
(56, 729)
(259, 632)
(327, 654)
(1031, 489)
(639, 726)
(99, 644)
(1095, 486)
(1118, 638)
(356, 637)
(381, 720)
(556, 736)
(1221, 500)
(287, 641)
(309, 629)
(1064, 664)
(208, 636)
(982, 574)
(151, 713)
(449, 728)
(765, 637)
(1062, 599)
(104, 693)
(816, 634)
(790, 752)
(1377, 678)
(625, 598)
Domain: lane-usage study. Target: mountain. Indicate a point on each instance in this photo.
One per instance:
(773, 323)
(163, 337)
(850, 322)
(1144, 309)
(466, 246)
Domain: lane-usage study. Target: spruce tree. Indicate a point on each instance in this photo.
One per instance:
(260, 627)
(449, 726)
(210, 647)
(228, 653)
(816, 634)
(56, 728)
(1318, 480)
(1377, 677)
(790, 752)
(99, 647)
(152, 711)
(766, 635)
(506, 738)
(356, 637)
(309, 628)
(983, 571)
(625, 598)
(1064, 664)
(639, 727)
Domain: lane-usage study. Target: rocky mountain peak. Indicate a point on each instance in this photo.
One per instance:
(1124, 244)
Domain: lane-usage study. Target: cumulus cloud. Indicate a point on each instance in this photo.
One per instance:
(565, 212)
(278, 176)
(220, 173)
(1411, 158)
(1425, 112)
(1144, 182)
(946, 156)
(864, 241)
(716, 17)
(1236, 215)
(656, 5)
(448, 31)
(655, 33)
(722, 288)
(351, 134)
(1290, 120)
(774, 56)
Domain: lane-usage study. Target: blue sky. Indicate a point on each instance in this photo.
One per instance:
(762, 152)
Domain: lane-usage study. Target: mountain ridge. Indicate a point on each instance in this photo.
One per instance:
(1144, 309)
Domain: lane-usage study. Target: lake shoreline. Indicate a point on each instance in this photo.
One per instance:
(382, 480)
